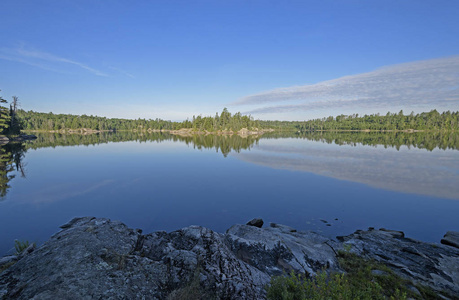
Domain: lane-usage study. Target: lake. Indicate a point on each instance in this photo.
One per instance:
(331, 183)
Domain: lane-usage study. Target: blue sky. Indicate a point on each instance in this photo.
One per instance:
(286, 60)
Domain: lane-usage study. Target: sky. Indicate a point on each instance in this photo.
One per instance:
(278, 60)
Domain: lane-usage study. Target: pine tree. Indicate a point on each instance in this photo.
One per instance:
(4, 115)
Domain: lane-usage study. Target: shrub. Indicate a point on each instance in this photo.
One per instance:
(21, 246)
(323, 286)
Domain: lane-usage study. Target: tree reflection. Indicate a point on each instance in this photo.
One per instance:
(11, 163)
(428, 140)
(12, 154)
(221, 143)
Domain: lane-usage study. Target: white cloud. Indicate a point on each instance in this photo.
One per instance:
(43, 60)
(430, 83)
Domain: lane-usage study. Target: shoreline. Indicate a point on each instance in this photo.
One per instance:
(97, 256)
(182, 132)
(19, 138)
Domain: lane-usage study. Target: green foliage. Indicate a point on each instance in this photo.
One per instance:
(15, 125)
(31, 120)
(359, 282)
(323, 286)
(4, 116)
(225, 121)
(20, 246)
(433, 120)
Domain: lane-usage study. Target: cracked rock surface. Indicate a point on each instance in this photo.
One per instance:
(433, 265)
(94, 258)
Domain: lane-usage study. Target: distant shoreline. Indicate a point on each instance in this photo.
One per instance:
(189, 131)
(182, 132)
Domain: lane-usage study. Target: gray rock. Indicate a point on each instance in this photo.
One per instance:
(8, 260)
(451, 238)
(256, 222)
(394, 233)
(432, 265)
(378, 273)
(280, 249)
(27, 251)
(102, 259)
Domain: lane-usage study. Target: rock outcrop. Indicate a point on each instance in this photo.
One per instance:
(102, 259)
(280, 248)
(433, 265)
(451, 238)
(93, 258)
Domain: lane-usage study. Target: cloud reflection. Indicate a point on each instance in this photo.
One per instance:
(61, 192)
(415, 171)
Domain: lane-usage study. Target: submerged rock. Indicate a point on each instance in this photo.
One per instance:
(93, 258)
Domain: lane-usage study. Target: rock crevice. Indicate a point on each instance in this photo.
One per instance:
(94, 258)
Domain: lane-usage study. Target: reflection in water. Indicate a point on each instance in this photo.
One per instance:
(11, 156)
(226, 144)
(433, 172)
(418, 171)
(221, 143)
(422, 140)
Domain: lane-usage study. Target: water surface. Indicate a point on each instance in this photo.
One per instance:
(332, 184)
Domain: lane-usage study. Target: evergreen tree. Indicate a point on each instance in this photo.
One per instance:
(4, 116)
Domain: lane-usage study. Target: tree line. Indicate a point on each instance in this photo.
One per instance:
(225, 121)
(12, 120)
(433, 120)
(9, 120)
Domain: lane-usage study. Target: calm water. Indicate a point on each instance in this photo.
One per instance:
(161, 182)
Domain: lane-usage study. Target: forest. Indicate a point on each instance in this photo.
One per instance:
(13, 120)
(433, 120)
(225, 121)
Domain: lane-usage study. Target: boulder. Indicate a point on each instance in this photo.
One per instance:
(451, 238)
(256, 222)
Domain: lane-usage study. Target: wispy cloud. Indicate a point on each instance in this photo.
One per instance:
(43, 60)
(432, 82)
(123, 72)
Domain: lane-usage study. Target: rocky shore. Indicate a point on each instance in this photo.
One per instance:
(93, 258)
(19, 138)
